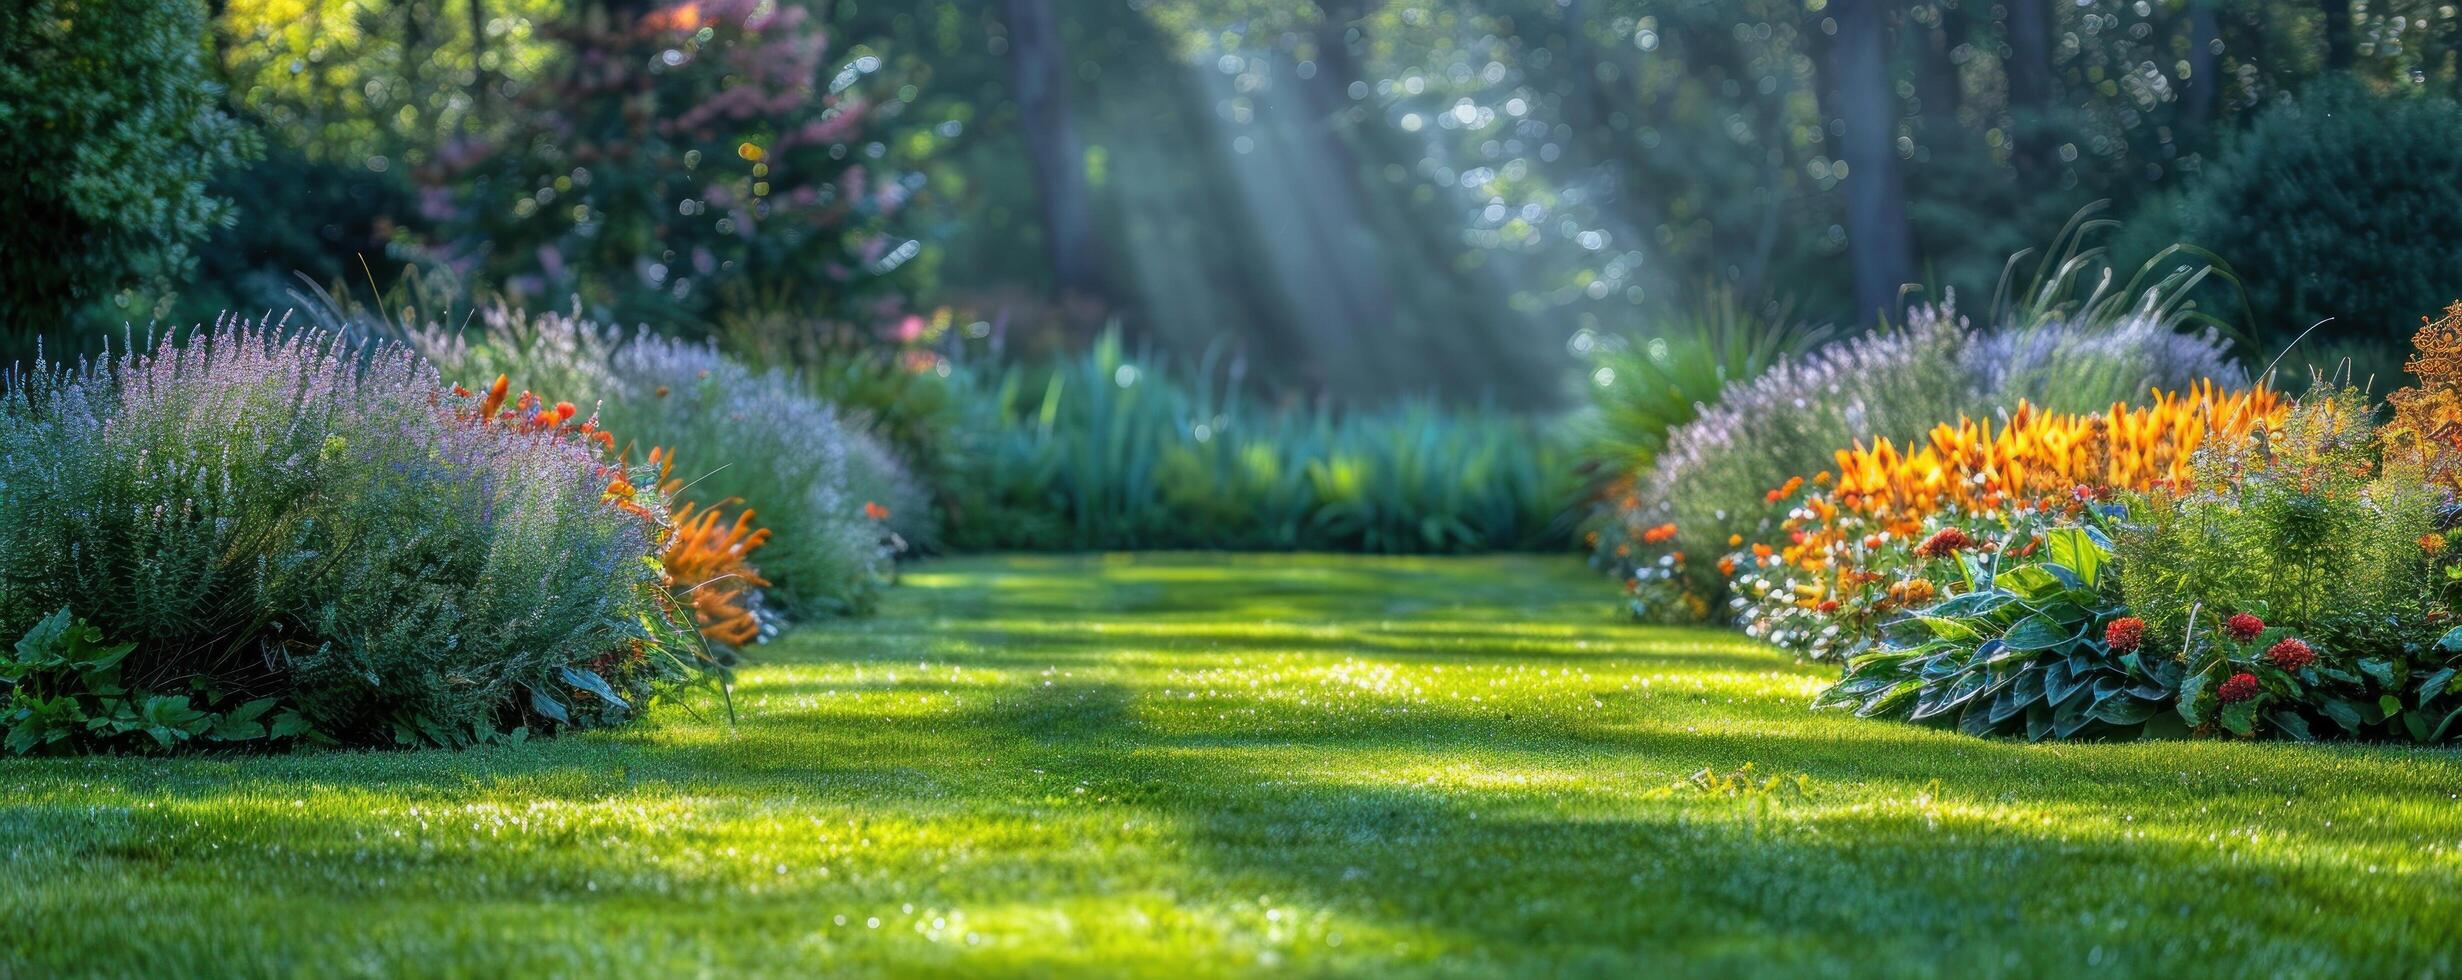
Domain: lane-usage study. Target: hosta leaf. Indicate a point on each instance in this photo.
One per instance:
(2078, 550)
(2038, 722)
(2124, 710)
(1970, 604)
(2435, 685)
(1941, 698)
(2380, 669)
(2445, 726)
(2031, 582)
(1947, 628)
(2451, 642)
(2291, 723)
(2072, 716)
(2059, 682)
(2011, 700)
(550, 709)
(2037, 632)
(2240, 718)
(1891, 700)
(1978, 720)
(2342, 713)
(594, 684)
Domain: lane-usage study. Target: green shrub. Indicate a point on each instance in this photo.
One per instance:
(2301, 527)
(306, 521)
(113, 135)
(2342, 204)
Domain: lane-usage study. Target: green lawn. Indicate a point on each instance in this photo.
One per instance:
(1201, 765)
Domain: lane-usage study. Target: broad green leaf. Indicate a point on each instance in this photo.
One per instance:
(2434, 685)
(2291, 723)
(2240, 718)
(2190, 689)
(594, 684)
(2037, 632)
(551, 710)
(2075, 548)
(2342, 712)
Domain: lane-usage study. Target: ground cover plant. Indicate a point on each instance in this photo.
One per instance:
(1210, 765)
(256, 536)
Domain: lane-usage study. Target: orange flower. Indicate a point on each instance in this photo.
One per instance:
(495, 397)
(875, 511)
(1658, 534)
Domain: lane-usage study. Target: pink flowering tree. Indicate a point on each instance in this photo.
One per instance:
(683, 159)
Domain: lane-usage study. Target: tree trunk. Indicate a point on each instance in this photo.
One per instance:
(2205, 74)
(1039, 68)
(2341, 48)
(1880, 242)
(482, 79)
(2030, 85)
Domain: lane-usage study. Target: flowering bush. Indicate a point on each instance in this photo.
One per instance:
(327, 526)
(751, 436)
(1717, 479)
(1863, 545)
(2285, 584)
(681, 154)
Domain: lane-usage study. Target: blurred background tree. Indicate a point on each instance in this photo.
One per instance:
(113, 132)
(1356, 199)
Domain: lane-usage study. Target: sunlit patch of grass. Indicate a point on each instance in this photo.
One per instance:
(1207, 765)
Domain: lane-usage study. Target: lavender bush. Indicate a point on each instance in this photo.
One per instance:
(294, 517)
(805, 470)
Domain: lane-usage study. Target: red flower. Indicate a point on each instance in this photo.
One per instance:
(2241, 687)
(1944, 543)
(2243, 627)
(1828, 606)
(2291, 654)
(2125, 634)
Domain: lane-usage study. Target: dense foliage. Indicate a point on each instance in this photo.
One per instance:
(114, 133)
(2339, 204)
(296, 519)
(1119, 450)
